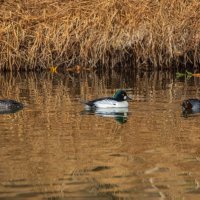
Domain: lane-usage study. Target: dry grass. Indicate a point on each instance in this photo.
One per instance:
(37, 34)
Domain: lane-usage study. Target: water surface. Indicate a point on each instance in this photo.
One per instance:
(53, 149)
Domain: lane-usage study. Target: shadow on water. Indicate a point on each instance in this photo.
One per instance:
(119, 114)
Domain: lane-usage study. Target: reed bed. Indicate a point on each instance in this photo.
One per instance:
(37, 34)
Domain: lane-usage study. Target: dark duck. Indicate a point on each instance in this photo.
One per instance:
(191, 106)
(9, 106)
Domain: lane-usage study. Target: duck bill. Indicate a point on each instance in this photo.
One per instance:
(128, 98)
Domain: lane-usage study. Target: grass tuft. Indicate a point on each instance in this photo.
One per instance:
(37, 34)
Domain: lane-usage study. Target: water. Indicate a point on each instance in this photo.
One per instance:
(53, 149)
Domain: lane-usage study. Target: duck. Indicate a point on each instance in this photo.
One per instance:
(9, 106)
(191, 105)
(118, 100)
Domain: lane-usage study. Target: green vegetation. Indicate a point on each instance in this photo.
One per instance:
(186, 75)
(38, 34)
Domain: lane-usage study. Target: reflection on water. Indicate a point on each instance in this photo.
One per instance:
(51, 150)
(119, 114)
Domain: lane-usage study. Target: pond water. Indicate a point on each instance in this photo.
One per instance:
(54, 149)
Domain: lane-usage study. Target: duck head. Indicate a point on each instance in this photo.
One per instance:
(187, 105)
(121, 95)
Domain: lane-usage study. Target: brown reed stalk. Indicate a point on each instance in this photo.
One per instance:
(37, 34)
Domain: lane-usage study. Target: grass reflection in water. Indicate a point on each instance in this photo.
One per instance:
(55, 149)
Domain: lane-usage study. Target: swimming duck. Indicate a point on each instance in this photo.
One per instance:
(119, 100)
(191, 105)
(9, 106)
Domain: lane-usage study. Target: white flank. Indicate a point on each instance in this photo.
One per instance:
(108, 103)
